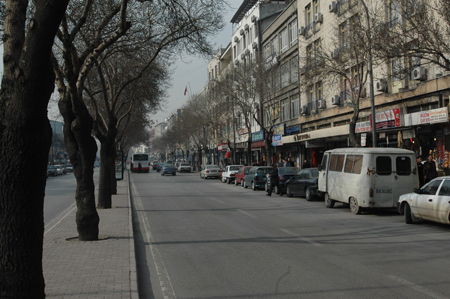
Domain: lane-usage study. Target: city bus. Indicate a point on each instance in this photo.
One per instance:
(140, 163)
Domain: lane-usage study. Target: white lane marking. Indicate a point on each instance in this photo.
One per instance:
(245, 213)
(58, 220)
(163, 276)
(303, 239)
(217, 200)
(200, 193)
(416, 287)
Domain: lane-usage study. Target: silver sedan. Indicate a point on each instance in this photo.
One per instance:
(210, 171)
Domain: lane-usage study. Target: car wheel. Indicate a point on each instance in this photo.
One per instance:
(288, 191)
(242, 183)
(354, 206)
(228, 181)
(174, 173)
(223, 180)
(276, 190)
(245, 185)
(329, 203)
(253, 186)
(308, 194)
(407, 214)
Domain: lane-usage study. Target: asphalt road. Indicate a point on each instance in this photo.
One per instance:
(205, 239)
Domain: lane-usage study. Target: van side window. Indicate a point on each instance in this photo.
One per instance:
(323, 165)
(383, 165)
(337, 162)
(353, 164)
(403, 165)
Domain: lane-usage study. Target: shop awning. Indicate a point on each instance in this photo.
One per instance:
(323, 133)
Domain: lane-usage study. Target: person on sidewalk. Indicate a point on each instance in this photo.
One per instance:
(273, 179)
(429, 170)
(420, 171)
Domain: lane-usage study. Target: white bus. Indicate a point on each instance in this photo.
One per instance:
(140, 163)
(367, 177)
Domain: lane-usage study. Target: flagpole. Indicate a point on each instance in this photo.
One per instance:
(190, 90)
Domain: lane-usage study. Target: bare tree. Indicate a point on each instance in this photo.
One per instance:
(25, 137)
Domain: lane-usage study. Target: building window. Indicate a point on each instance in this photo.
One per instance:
(395, 69)
(318, 90)
(234, 52)
(284, 40)
(284, 110)
(309, 54)
(344, 39)
(274, 45)
(267, 52)
(293, 33)
(294, 69)
(394, 12)
(310, 94)
(308, 15)
(285, 75)
(295, 107)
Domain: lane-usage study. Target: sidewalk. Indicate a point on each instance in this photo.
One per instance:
(101, 269)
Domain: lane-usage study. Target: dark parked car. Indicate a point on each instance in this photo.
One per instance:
(304, 183)
(51, 170)
(256, 177)
(168, 169)
(284, 174)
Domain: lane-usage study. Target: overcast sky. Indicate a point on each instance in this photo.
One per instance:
(192, 71)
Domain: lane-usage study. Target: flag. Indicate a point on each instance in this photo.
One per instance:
(185, 90)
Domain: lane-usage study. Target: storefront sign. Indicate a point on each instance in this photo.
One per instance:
(258, 144)
(279, 130)
(301, 137)
(363, 127)
(277, 140)
(222, 147)
(243, 131)
(424, 117)
(439, 115)
(314, 144)
(292, 129)
(258, 136)
(388, 119)
(363, 139)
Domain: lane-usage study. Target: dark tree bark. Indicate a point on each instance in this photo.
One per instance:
(107, 180)
(25, 138)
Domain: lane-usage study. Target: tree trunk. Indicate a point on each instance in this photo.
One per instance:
(107, 173)
(269, 148)
(352, 126)
(25, 138)
(82, 149)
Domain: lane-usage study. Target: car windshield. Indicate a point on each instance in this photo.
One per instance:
(69, 165)
(235, 167)
(263, 170)
(211, 166)
(288, 170)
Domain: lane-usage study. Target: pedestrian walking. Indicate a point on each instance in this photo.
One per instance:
(306, 164)
(429, 170)
(274, 181)
(420, 171)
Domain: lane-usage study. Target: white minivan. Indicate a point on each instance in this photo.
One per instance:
(367, 177)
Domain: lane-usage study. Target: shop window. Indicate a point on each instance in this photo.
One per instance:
(403, 165)
(383, 165)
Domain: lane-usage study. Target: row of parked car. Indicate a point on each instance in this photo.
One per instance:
(59, 169)
(169, 168)
(291, 180)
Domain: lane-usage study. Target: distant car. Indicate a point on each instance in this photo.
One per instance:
(58, 170)
(184, 167)
(431, 202)
(284, 174)
(256, 177)
(63, 168)
(210, 171)
(229, 172)
(304, 183)
(158, 166)
(51, 170)
(69, 168)
(168, 169)
(242, 172)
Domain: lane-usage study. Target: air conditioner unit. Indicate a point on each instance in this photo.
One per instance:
(254, 45)
(301, 31)
(335, 100)
(246, 27)
(304, 110)
(335, 53)
(318, 17)
(381, 85)
(253, 19)
(242, 56)
(332, 7)
(241, 32)
(322, 104)
(236, 39)
(236, 62)
(419, 73)
(247, 52)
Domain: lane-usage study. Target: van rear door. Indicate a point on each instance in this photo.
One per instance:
(383, 181)
(323, 177)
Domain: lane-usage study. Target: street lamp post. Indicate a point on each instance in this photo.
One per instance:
(372, 100)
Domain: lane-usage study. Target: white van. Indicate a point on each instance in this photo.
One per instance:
(367, 177)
